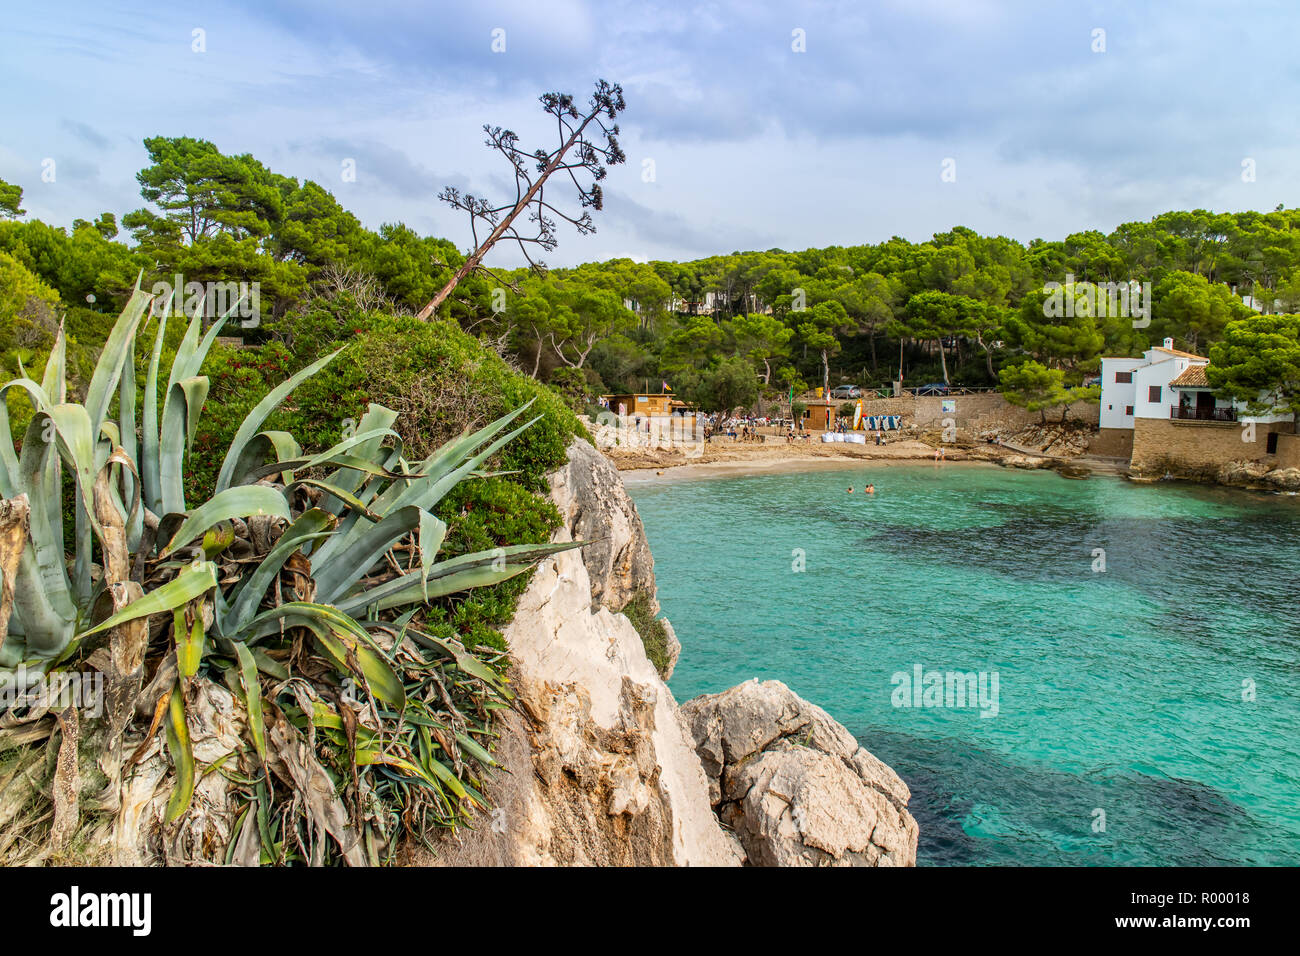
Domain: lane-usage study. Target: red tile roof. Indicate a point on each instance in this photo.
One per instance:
(1192, 377)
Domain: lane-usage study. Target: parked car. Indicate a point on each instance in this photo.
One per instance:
(846, 391)
(933, 388)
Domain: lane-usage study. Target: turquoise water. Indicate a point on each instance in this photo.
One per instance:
(1118, 691)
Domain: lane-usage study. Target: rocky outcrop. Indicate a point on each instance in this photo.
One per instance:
(599, 768)
(1250, 474)
(1024, 461)
(1284, 479)
(794, 785)
(595, 507)
(1242, 473)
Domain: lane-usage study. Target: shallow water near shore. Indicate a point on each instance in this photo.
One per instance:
(1119, 692)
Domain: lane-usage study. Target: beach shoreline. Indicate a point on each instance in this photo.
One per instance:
(728, 460)
(779, 466)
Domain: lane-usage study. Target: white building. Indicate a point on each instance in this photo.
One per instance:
(1143, 387)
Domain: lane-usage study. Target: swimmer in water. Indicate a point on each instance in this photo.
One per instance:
(850, 489)
(871, 489)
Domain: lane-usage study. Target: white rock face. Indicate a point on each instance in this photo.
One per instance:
(793, 783)
(595, 507)
(601, 769)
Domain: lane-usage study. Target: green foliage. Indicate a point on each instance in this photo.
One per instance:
(11, 199)
(1258, 363)
(731, 385)
(1035, 388)
(654, 636)
(578, 385)
(362, 552)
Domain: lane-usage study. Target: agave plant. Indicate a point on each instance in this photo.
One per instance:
(340, 547)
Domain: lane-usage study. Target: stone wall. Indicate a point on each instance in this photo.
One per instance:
(974, 413)
(1288, 450)
(1111, 443)
(1191, 448)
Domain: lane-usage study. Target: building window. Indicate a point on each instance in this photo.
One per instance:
(1153, 394)
(1128, 409)
(1272, 443)
(1123, 378)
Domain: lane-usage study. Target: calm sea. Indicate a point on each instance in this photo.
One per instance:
(1147, 713)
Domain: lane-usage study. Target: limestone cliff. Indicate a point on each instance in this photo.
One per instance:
(600, 765)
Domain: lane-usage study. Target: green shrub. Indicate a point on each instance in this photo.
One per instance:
(654, 636)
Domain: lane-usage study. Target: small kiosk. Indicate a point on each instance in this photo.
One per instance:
(821, 415)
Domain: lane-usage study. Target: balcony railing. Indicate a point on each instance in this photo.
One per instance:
(1191, 414)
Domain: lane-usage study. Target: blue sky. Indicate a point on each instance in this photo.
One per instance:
(754, 145)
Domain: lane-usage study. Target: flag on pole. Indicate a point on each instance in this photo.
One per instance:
(666, 386)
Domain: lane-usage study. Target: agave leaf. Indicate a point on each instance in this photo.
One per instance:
(253, 422)
(285, 448)
(447, 465)
(409, 588)
(247, 596)
(44, 602)
(428, 491)
(349, 443)
(130, 446)
(55, 382)
(150, 478)
(440, 471)
(241, 502)
(432, 533)
(334, 577)
(352, 501)
(180, 420)
(193, 581)
(194, 360)
(40, 478)
(76, 436)
(456, 574)
(376, 418)
(189, 641)
(116, 351)
(338, 634)
(252, 697)
(188, 346)
(465, 661)
(178, 744)
(287, 467)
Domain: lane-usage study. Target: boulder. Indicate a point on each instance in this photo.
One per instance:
(1241, 473)
(794, 785)
(1025, 461)
(1284, 479)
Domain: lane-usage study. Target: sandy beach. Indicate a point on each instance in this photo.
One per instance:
(776, 466)
(718, 459)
